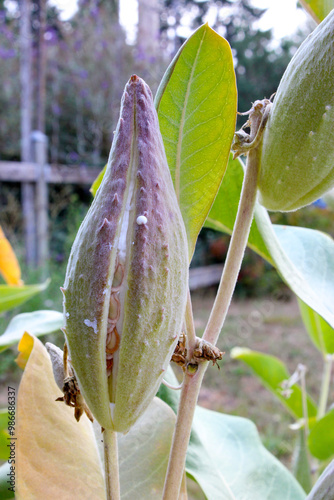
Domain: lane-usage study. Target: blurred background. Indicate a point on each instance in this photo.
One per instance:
(64, 64)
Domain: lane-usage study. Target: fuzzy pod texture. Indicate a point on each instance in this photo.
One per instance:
(297, 161)
(127, 276)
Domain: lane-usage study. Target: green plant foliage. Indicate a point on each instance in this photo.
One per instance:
(4, 436)
(4, 493)
(321, 334)
(227, 459)
(224, 210)
(272, 372)
(13, 296)
(304, 258)
(36, 323)
(300, 462)
(321, 437)
(144, 451)
(318, 9)
(96, 184)
(196, 104)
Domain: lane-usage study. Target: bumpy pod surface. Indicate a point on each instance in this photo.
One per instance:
(126, 281)
(297, 163)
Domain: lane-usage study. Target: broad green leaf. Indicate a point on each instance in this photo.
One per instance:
(196, 104)
(144, 453)
(65, 452)
(4, 436)
(303, 257)
(13, 296)
(5, 493)
(272, 372)
(227, 459)
(321, 437)
(318, 9)
(36, 323)
(229, 448)
(300, 462)
(224, 210)
(321, 334)
(324, 487)
(9, 266)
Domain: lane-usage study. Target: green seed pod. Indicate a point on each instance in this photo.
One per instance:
(127, 276)
(297, 162)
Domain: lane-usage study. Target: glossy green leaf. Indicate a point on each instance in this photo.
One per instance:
(321, 437)
(272, 372)
(5, 494)
(4, 436)
(303, 257)
(318, 9)
(36, 323)
(196, 104)
(13, 296)
(227, 459)
(320, 332)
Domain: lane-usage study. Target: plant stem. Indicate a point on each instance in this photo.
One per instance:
(236, 249)
(304, 400)
(326, 378)
(188, 400)
(192, 382)
(111, 465)
(190, 327)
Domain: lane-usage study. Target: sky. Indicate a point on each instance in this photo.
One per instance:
(282, 16)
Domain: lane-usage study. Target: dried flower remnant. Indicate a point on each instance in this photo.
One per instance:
(67, 382)
(125, 286)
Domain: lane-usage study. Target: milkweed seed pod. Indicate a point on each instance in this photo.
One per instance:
(297, 162)
(127, 276)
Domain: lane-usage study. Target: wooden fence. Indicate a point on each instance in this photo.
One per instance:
(34, 177)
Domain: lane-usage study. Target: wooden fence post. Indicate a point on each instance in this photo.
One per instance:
(39, 143)
(27, 188)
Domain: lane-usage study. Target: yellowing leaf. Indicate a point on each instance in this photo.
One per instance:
(57, 457)
(25, 347)
(9, 266)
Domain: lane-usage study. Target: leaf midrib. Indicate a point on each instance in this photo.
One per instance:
(182, 124)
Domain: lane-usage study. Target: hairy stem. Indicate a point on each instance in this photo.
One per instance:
(192, 382)
(111, 465)
(190, 327)
(325, 382)
(188, 400)
(236, 249)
